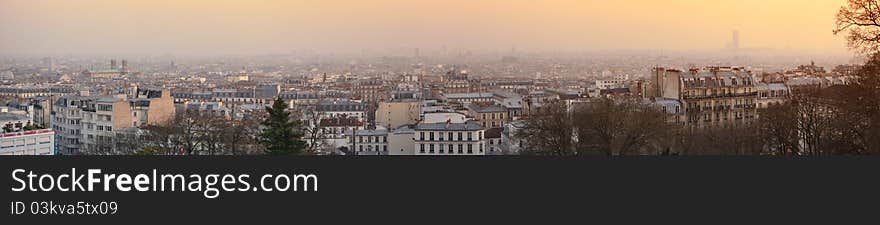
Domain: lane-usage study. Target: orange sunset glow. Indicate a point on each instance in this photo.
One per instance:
(267, 26)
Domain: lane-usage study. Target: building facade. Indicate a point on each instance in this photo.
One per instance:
(32, 142)
(709, 96)
(449, 139)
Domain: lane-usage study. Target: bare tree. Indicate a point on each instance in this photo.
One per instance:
(860, 19)
(315, 132)
(549, 131)
(778, 129)
(620, 127)
(239, 136)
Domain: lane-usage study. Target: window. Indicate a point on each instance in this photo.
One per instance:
(470, 135)
(421, 148)
(459, 136)
(431, 136)
(450, 148)
(470, 149)
(460, 149)
(105, 107)
(450, 136)
(441, 148)
(421, 136)
(431, 148)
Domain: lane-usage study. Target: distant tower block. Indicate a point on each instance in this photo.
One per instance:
(112, 64)
(735, 43)
(124, 65)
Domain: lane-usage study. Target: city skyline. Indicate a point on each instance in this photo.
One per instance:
(196, 27)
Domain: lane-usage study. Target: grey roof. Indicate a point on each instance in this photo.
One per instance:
(467, 126)
(777, 87)
(12, 116)
(487, 109)
(404, 130)
(469, 95)
(372, 132)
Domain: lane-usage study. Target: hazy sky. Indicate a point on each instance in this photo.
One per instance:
(282, 26)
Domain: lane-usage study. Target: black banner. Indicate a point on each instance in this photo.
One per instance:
(444, 189)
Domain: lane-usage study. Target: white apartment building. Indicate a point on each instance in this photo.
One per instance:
(370, 142)
(19, 136)
(86, 123)
(449, 139)
(333, 108)
(32, 142)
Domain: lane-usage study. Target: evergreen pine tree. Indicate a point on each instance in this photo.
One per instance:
(281, 136)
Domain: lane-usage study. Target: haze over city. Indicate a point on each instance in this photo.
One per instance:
(211, 27)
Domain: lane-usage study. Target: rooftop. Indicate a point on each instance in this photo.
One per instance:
(466, 126)
(486, 109)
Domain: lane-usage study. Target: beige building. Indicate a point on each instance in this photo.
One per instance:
(86, 124)
(489, 116)
(709, 96)
(396, 114)
(401, 142)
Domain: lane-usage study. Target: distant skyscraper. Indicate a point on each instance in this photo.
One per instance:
(417, 54)
(112, 64)
(50, 64)
(124, 65)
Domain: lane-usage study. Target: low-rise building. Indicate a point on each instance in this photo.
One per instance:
(489, 116)
(449, 139)
(28, 142)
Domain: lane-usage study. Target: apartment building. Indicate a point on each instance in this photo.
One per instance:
(28, 142)
(709, 96)
(332, 108)
(398, 113)
(489, 116)
(91, 123)
(449, 139)
(369, 142)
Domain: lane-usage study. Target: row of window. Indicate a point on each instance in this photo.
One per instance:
(371, 139)
(449, 136)
(441, 148)
(493, 116)
(372, 148)
(100, 128)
